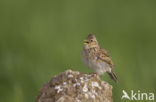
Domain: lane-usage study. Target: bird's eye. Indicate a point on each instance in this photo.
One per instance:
(91, 40)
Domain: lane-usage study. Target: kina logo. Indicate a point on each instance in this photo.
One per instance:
(137, 95)
(125, 95)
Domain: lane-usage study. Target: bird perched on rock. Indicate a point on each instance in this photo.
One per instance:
(97, 58)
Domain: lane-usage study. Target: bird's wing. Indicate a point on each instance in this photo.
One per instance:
(103, 55)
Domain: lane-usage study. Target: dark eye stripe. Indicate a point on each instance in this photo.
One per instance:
(91, 40)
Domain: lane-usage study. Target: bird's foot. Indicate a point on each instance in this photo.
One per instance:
(93, 74)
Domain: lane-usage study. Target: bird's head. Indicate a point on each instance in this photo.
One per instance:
(90, 42)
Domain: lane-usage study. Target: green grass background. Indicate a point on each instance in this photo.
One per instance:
(39, 39)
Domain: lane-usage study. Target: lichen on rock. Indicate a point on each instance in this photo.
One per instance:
(73, 86)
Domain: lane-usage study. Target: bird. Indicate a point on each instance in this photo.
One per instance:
(97, 58)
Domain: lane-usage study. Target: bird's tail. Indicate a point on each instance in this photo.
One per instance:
(113, 76)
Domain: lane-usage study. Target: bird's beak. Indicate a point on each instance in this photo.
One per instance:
(86, 42)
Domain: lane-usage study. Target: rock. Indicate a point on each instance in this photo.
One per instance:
(73, 86)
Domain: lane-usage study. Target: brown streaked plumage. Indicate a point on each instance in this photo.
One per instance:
(97, 58)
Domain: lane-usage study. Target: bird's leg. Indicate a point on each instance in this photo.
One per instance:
(93, 73)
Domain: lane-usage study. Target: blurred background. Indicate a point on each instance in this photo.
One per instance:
(39, 39)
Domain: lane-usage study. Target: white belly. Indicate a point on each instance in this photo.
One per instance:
(100, 68)
(97, 66)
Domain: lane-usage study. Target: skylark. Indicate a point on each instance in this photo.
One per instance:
(97, 58)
